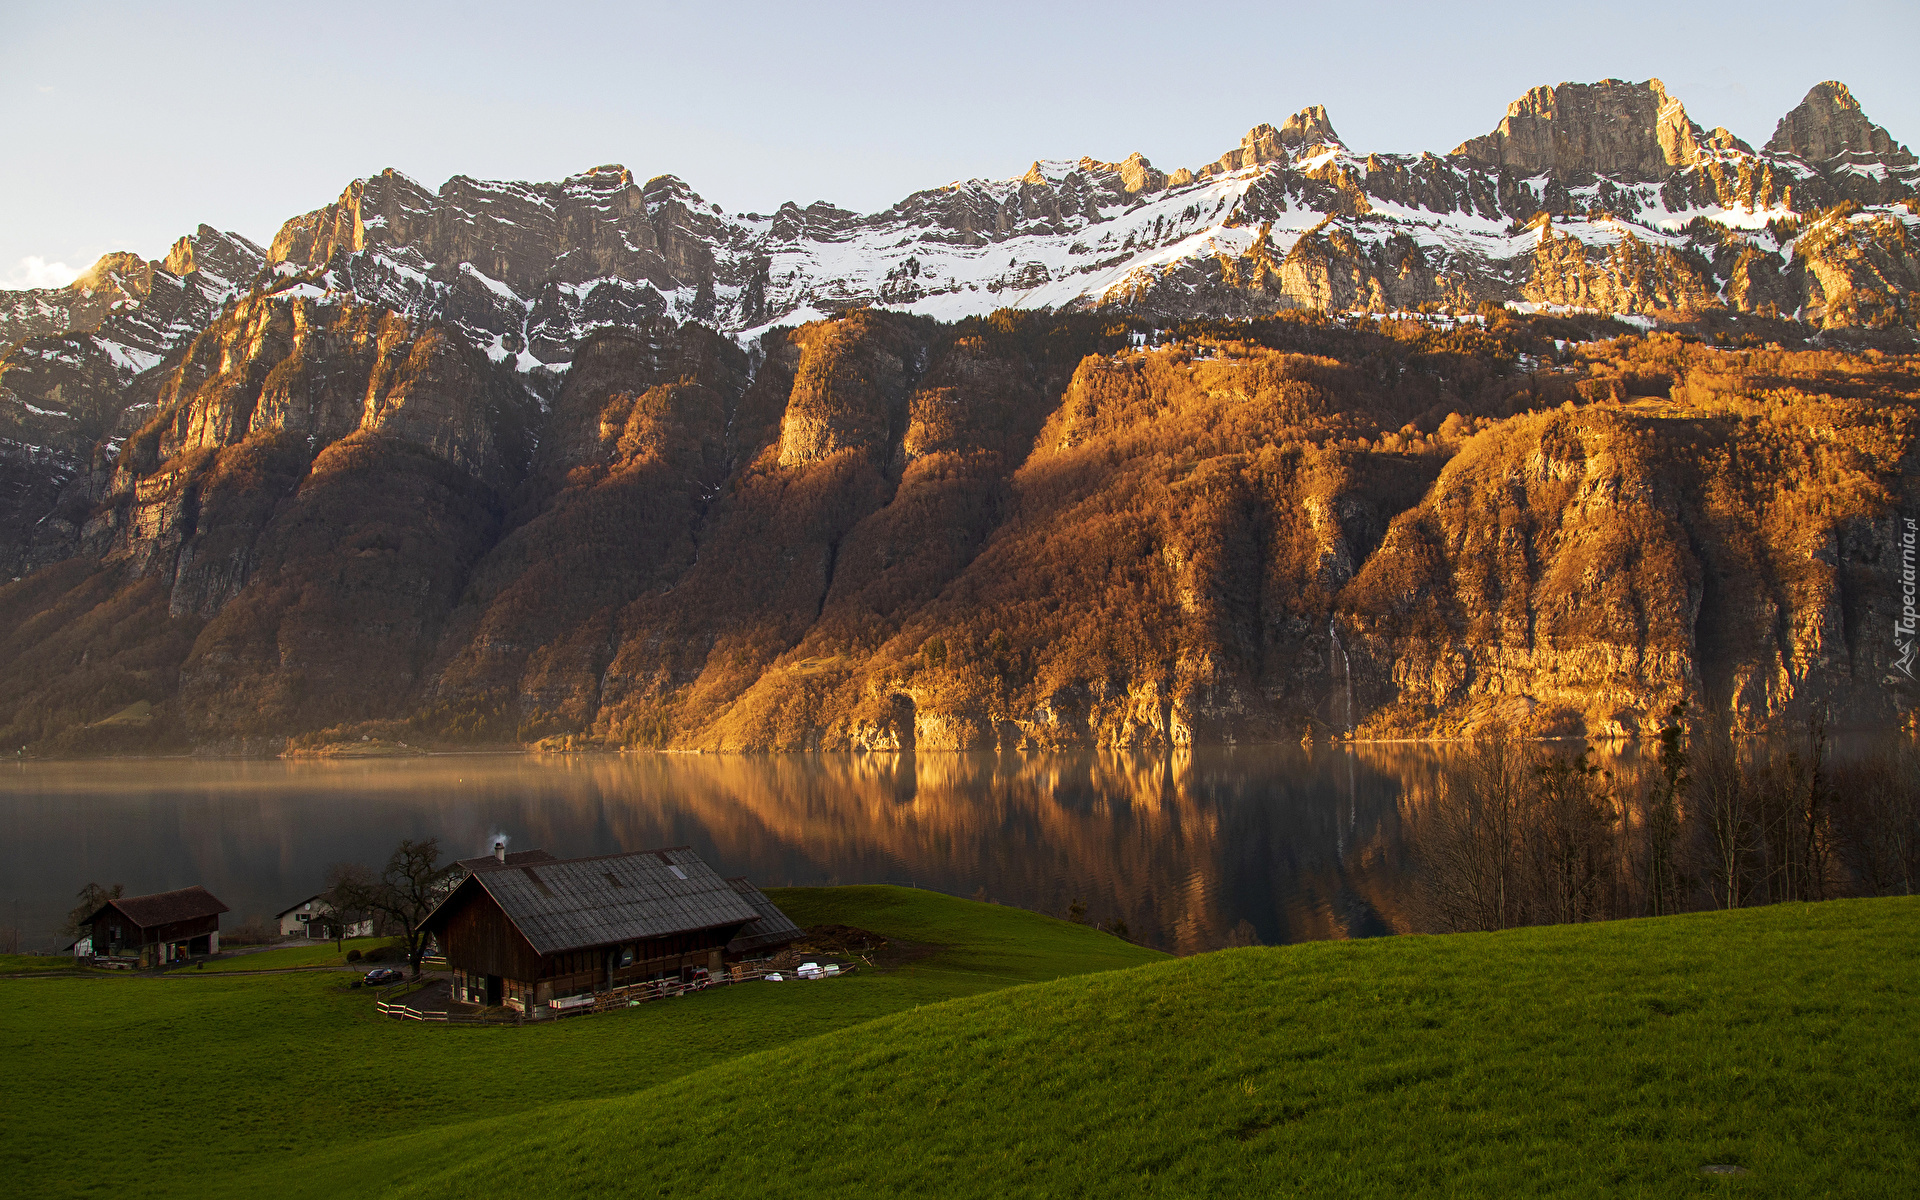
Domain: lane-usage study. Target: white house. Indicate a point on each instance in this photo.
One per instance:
(312, 918)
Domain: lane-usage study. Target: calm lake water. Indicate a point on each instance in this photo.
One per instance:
(1187, 848)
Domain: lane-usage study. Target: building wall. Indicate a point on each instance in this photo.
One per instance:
(576, 971)
(294, 923)
(314, 920)
(476, 937)
(478, 940)
(133, 936)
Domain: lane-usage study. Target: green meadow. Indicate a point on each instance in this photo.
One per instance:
(13, 964)
(1030, 1057)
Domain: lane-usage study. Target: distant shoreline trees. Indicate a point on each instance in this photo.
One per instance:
(1521, 834)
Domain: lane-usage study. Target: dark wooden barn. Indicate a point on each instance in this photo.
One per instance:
(162, 928)
(541, 929)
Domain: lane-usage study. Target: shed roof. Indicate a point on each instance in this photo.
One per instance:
(517, 858)
(578, 902)
(164, 908)
(774, 928)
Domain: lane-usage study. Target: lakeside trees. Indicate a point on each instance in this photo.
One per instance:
(1524, 834)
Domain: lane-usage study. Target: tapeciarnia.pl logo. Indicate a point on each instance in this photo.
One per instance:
(1903, 641)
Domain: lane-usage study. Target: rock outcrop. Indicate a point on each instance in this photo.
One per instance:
(1829, 125)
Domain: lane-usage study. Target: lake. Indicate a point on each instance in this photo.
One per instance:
(1193, 850)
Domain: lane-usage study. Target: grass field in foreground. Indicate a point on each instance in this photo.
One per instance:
(1596, 1060)
(11, 964)
(211, 1074)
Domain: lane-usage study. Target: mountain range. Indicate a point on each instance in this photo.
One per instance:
(598, 460)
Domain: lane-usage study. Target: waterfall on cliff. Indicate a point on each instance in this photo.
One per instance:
(1337, 660)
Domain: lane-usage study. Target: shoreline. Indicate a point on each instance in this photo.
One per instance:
(417, 753)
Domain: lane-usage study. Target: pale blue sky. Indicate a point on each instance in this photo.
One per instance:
(128, 124)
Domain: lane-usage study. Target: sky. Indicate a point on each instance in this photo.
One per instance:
(127, 125)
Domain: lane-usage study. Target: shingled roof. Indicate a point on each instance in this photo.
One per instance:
(516, 858)
(164, 908)
(568, 904)
(774, 928)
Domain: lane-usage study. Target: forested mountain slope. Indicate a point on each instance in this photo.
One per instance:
(881, 531)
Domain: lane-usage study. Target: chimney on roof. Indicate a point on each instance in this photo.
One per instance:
(500, 851)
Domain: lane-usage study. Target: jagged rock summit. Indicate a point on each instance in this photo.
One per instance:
(1631, 131)
(1647, 211)
(1829, 125)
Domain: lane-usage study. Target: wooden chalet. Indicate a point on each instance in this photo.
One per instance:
(542, 929)
(162, 928)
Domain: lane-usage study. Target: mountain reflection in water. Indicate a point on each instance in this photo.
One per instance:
(1193, 850)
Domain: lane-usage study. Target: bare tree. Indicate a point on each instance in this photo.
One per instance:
(412, 883)
(1793, 818)
(1815, 813)
(1877, 812)
(1719, 796)
(1568, 835)
(1469, 846)
(91, 897)
(348, 898)
(1660, 823)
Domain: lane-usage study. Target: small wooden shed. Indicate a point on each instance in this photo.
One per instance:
(545, 929)
(162, 928)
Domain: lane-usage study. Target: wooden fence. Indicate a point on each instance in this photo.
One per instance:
(400, 1010)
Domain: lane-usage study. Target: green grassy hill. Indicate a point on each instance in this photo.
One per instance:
(1614, 1059)
(216, 1077)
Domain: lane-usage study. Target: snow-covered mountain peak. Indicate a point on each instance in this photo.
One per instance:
(1603, 195)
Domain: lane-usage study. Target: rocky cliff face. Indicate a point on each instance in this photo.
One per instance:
(1580, 573)
(598, 460)
(294, 517)
(180, 292)
(75, 384)
(1629, 132)
(1829, 131)
(882, 532)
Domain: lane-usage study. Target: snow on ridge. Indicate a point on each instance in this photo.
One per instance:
(1062, 235)
(128, 358)
(491, 284)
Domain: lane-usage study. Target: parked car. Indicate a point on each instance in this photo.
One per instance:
(385, 975)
